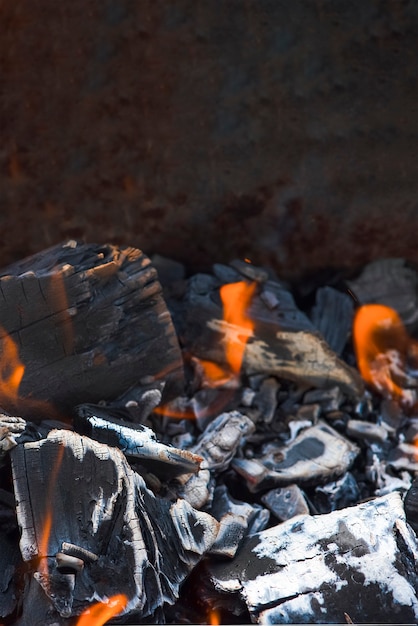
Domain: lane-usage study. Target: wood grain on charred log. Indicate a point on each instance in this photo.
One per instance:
(89, 322)
(90, 528)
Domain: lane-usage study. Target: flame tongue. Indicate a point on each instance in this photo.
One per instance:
(236, 298)
(382, 346)
(11, 370)
(100, 613)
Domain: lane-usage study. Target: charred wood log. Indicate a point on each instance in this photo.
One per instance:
(358, 562)
(90, 528)
(89, 322)
(285, 343)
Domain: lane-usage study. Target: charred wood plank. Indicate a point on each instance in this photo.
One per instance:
(359, 561)
(89, 322)
(107, 532)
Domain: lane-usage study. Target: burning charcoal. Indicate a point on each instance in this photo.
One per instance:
(284, 343)
(404, 457)
(136, 441)
(266, 399)
(11, 428)
(226, 273)
(73, 490)
(110, 328)
(315, 456)
(411, 506)
(10, 564)
(390, 282)
(255, 515)
(313, 569)
(328, 399)
(357, 429)
(332, 315)
(286, 502)
(309, 412)
(219, 443)
(338, 494)
(250, 271)
(140, 402)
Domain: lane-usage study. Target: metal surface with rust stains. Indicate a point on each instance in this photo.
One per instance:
(279, 131)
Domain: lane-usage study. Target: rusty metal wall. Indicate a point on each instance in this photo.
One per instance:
(280, 131)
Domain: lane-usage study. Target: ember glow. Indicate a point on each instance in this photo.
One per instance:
(236, 298)
(382, 347)
(214, 617)
(100, 613)
(47, 526)
(11, 370)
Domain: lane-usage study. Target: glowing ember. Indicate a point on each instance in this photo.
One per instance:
(236, 298)
(102, 612)
(382, 347)
(11, 370)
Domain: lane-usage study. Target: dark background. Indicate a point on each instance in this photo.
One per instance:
(282, 131)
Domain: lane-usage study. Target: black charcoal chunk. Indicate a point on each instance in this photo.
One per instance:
(359, 429)
(286, 502)
(312, 569)
(333, 316)
(317, 455)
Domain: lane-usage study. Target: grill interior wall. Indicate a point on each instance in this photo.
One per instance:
(283, 132)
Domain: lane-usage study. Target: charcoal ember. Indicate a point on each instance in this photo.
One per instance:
(316, 456)
(137, 442)
(129, 541)
(328, 399)
(10, 563)
(103, 306)
(217, 446)
(404, 457)
(256, 516)
(309, 413)
(286, 502)
(337, 494)
(284, 344)
(266, 399)
(391, 282)
(411, 505)
(333, 316)
(236, 520)
(313, 569)
(11, 428)
(359, 429)
(222, 437)
(250, 271)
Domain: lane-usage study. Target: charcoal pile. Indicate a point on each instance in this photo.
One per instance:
(221, 447)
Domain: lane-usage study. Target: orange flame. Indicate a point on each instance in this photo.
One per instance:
(214, 617)
(11, 369)
(236, 298)
(43, 542)
(100, 613)
(382, 347)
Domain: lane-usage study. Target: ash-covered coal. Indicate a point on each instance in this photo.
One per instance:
(301, 478)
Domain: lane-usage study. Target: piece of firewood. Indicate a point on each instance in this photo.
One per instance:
(89, 322)
(106, 532)
(284, 342)
(359, 561)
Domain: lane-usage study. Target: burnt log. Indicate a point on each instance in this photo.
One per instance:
(357, 563)
(90, 528)
(284, 343)
(88, 322)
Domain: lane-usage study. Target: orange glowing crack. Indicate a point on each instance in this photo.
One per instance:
(382, 347)
(100, 613)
